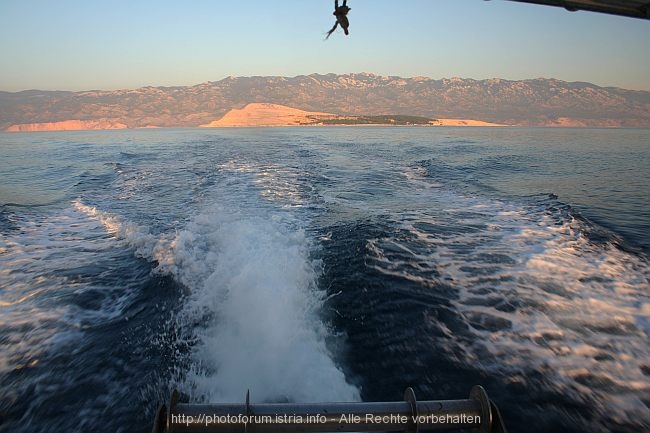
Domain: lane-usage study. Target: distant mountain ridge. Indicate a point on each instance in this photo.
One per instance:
(544, 102)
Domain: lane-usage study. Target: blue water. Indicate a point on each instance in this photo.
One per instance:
(325, 264)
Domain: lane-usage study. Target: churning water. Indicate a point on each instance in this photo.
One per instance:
(325, 264)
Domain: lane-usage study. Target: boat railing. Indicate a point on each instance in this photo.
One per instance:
(477, 412)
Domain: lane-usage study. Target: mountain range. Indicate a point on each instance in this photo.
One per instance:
(534, 102)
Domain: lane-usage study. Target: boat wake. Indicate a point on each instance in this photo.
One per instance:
(250, 315)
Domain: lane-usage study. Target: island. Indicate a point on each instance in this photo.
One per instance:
(267, 114)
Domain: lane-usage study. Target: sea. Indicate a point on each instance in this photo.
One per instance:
(320, 264)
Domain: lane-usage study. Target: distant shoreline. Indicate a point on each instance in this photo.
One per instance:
(263, 115)
(365, 125)
(34, 129)
(267, 115)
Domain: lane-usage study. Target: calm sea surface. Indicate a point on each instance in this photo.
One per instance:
(325, 264)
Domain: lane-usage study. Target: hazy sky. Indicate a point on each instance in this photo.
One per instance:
(95, 44)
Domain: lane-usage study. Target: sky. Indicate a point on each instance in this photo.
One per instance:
(122, 44)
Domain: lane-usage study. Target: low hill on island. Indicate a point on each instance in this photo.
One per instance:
(261, 114)
(265, 114)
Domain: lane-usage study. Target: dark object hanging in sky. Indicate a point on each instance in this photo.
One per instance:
(341, 14)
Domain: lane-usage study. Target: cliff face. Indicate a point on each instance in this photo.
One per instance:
(527, 102)
(66, 125)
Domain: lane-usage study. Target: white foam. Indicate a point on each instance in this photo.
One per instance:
(253, 303)
(254, 295)
(578, 309)
(137, 237)
(38, 269)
